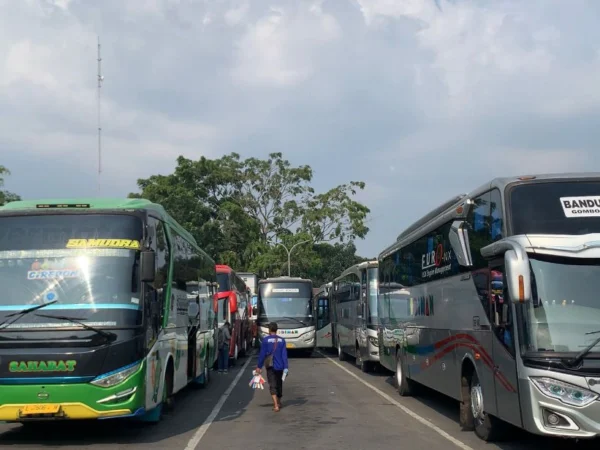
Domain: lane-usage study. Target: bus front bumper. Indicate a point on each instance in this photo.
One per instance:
(72, 401)
(550, 416)
(307, 340)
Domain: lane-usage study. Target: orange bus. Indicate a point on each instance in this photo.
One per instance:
(233, 301)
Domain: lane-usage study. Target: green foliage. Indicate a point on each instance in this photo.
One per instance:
(243, 213)
(6, 196)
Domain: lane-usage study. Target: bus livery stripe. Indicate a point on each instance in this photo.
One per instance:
(441, 349)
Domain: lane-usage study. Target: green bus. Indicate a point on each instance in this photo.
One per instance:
(107, 310)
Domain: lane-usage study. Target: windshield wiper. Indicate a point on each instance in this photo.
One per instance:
(579, 356)
(106, 334)
(297, 320)
(23, 312)
(272, 319)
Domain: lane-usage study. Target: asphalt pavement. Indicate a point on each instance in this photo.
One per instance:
(327, 404)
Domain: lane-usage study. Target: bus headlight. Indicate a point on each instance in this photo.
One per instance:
(374, 341)
(309, 336)
(565, 392)
(116, 376)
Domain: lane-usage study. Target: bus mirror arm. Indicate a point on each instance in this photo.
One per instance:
(459, 241)
(516, 261)
(147, 266)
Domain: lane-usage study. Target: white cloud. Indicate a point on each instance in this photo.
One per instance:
(421, 99)
(279, 49)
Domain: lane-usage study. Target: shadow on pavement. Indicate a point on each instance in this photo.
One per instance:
(192, 407)
(515, 439)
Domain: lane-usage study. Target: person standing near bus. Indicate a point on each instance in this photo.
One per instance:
(224, 339)
(273, 355)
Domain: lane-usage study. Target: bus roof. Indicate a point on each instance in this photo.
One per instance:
(359, 266)
(46, 206)
(451, 208)
(285, 279)
(223, 268)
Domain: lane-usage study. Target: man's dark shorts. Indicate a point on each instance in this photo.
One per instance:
(275, 379)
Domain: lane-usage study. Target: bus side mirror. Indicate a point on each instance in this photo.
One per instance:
(459, 241)
(147, 266)
(254, 310)
(518, 276)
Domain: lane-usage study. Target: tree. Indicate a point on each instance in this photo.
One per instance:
(199, 195)
(334, 215)
(272, 192)
(240, 210)
(6, 196)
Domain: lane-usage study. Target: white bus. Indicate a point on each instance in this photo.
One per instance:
(492, 299)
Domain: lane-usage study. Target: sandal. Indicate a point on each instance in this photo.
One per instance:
(276, 408)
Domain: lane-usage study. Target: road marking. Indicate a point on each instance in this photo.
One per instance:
(200, 432)
(408, 411)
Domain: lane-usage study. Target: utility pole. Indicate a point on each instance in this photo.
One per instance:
(289, 253)
(100, 80)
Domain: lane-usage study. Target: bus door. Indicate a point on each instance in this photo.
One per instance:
(194, 321)
(324, 332)
(362, 314)
(503, 347)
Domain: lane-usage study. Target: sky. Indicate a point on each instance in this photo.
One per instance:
(420, 99)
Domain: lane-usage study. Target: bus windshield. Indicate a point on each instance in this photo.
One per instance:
(80, 261)
(285, 302)
(223, 280)
(558, 207)
(564, 307)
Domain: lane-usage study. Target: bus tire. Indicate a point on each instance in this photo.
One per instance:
(404, 385)
(360, 362)
(168, 397)
(341, 354)
(486, 427)
(206, 372)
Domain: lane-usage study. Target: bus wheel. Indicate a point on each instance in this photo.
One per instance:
(486, 427)
(405, 386)
(168, 397)
(341, 354)
(360, 362)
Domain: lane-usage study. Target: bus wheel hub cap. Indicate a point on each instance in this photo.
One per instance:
(477, 402)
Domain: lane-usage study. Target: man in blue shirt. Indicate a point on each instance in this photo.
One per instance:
(273, 354)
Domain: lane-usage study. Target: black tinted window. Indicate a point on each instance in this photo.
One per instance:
(558, 207)
(54, 231)
(223, 280)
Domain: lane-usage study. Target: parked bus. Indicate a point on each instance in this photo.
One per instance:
(288, 301)
(233, 300)
(251, 280)
(322, 312)
(95, 317)
(354, 305)
(500, 305)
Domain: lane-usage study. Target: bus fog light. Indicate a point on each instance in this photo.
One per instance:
(565, 392)
(552, 419)
(117, 376)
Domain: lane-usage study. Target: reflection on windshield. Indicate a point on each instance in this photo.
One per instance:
(565, 305)
(90, 278)
(285, 307)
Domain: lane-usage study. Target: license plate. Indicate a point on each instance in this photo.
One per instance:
(290, 346)
(40, 409)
